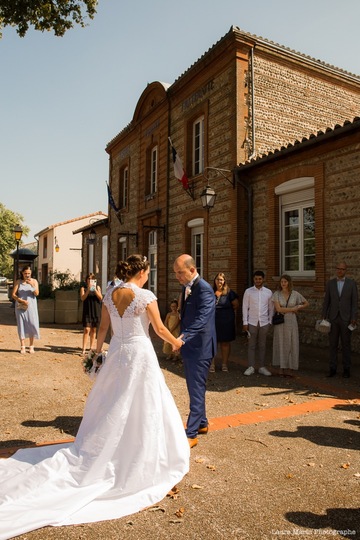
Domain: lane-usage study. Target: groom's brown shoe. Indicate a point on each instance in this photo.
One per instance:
(192, 442)
(203, 430)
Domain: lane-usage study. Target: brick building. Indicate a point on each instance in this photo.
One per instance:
(244, 98)
(305, 215)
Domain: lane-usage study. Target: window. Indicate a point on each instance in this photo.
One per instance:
(198, 146)
(153, 170)
(91, 254)
(104, 261)
(197, 243)
(153, 261)
(45, 247)
(299, 238)
(297, 227)
(123, 248)
(124, 186)
(44, 273)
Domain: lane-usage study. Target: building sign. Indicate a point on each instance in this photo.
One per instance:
(198, 95)
(152, 128)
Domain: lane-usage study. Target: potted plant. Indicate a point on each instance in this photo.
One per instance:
(67, 300)
(46, 303)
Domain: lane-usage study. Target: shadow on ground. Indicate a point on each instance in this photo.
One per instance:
(344, 521)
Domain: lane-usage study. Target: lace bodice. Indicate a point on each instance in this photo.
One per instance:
(134, 322)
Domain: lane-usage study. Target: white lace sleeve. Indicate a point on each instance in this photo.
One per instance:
(107, 298)
(144, 298)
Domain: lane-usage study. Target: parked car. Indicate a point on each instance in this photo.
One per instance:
(3, 280)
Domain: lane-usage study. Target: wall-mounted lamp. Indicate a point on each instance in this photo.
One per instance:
(91, 237)
(57, 247)
(208, 197)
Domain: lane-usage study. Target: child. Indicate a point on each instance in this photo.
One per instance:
(172, 323)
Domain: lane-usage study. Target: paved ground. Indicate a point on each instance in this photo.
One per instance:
(281, 458)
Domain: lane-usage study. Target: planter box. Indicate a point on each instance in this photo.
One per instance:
(46, 310)
(66, 306)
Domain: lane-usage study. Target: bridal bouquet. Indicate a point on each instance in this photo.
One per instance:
(93, 362)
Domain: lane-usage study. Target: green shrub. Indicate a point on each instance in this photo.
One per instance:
(64, 281)
(45, 291)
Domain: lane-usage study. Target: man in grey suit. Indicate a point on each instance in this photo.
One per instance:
(340, 308)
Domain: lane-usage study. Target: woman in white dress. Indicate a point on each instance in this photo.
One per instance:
(286, 335)
(131, 447)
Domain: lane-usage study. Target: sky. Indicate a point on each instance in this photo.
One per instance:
(64, 98)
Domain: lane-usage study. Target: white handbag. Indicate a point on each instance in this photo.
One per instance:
(323, 326)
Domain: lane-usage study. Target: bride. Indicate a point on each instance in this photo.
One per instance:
(131, 447)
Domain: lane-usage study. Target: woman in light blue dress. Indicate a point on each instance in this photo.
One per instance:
(24, 294)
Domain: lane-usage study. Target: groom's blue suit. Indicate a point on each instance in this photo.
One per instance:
(198, 329)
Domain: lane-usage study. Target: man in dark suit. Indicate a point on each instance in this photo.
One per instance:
(340, 308)
(199, 337)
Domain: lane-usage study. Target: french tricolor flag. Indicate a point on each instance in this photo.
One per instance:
(179, 171)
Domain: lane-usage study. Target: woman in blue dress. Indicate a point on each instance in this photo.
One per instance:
(24, 294)
(227, 302)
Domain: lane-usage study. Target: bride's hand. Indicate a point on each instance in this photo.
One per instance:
(179, 344)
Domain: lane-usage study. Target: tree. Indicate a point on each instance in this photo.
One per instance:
(8, 220)
(56, 15)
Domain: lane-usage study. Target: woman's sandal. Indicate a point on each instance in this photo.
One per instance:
(224, 368)
(31, 350)
(23, 350)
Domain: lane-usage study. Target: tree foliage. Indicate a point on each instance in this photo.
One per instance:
(8, 220)
(56, 15)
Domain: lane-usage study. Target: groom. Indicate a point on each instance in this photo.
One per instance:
(199, 337)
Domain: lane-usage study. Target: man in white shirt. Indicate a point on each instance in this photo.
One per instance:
(257, 312)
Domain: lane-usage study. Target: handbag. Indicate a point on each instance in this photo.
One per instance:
(20, 305)
(323, 326)
(278, 318)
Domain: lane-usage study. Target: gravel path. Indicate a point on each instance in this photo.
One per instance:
(261, 473)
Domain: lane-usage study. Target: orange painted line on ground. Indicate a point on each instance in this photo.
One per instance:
(266, 415)
(236, 420)
(7, 452)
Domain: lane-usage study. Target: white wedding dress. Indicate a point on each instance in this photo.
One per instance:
(131, 448)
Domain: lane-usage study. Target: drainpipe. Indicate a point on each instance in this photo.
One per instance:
(252, 106)
(246, 186)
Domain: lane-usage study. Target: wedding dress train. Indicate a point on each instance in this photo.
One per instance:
(130, 450)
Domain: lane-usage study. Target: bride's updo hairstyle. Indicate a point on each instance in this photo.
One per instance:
(133, 264)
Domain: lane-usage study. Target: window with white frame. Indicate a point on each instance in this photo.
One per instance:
(153, 170)
(153, 249)
(197, 242)
(297, 226)
(198, 146)
(123, 248)
(91, 254)
(104, 261)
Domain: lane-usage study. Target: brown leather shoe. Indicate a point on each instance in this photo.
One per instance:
(192, 442)
(203, 430)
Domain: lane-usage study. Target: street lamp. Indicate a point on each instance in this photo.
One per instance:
(91, 236)
(208, 197)
(17, 230)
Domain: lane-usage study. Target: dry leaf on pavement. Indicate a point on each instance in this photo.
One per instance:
(179, 513)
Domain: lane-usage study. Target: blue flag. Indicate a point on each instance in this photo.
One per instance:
(111, 199)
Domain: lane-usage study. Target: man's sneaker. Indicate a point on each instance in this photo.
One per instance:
(250, 371)
(264, 371)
